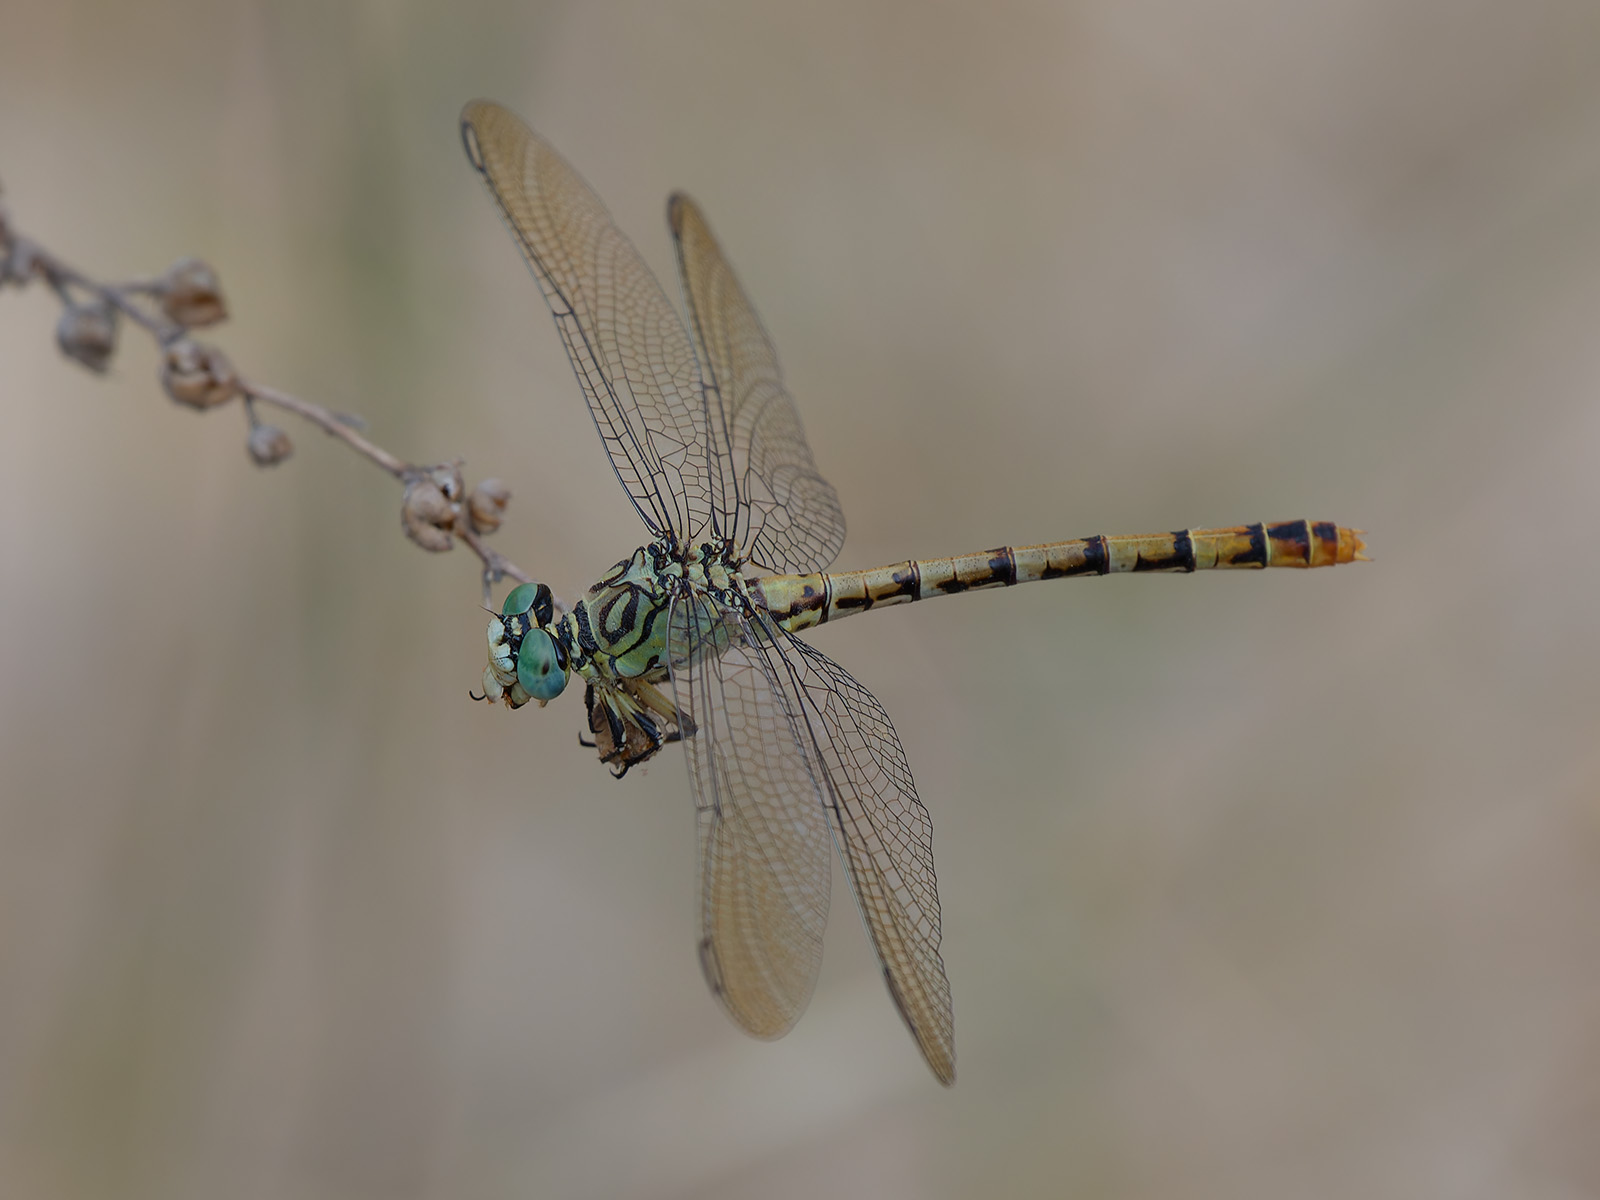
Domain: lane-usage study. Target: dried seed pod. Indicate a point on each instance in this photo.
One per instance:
(269, 445)
(448, 478)
(197, 375)
(426, 514)
(190, 294)
(87, 333)
(487, 505)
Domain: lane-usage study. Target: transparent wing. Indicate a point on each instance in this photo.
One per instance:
(626, 341)
(763, 834)
(885, 837)
(785, 516)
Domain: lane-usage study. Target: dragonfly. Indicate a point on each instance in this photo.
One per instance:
(694, 637)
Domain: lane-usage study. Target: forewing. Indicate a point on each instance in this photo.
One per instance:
(763, 831)
(885, 837)
(626, 342)
(785, 515)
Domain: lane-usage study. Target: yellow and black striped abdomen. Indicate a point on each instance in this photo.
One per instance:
(799, 601)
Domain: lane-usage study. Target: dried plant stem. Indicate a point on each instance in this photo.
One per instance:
(330, 424)
(61, 277)
(436, 509)
(497, 565)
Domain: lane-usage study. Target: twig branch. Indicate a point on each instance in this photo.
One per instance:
(436, 507)
(329, 423)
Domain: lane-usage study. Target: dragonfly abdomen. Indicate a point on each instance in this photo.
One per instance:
(800, 601)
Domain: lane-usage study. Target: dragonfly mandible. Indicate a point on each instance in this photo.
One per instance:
(692, 639)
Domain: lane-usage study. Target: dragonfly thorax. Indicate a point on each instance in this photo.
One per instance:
(618, 630)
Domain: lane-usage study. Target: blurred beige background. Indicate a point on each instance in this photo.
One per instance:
(1254, 885)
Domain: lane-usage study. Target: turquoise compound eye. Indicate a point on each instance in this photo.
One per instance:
(519, 600)
(532, 600)
(538, 670)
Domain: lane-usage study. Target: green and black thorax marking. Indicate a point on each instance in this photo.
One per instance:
(618, 630)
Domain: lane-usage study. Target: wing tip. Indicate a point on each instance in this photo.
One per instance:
(940, 1057)
(680, 205)
(473, 114)
(939, 1052)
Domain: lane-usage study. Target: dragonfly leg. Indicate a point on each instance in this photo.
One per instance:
(653, 698)
(588, 707)
(624, 732)
(657, 702)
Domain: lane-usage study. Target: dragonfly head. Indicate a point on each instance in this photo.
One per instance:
(526, 661)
